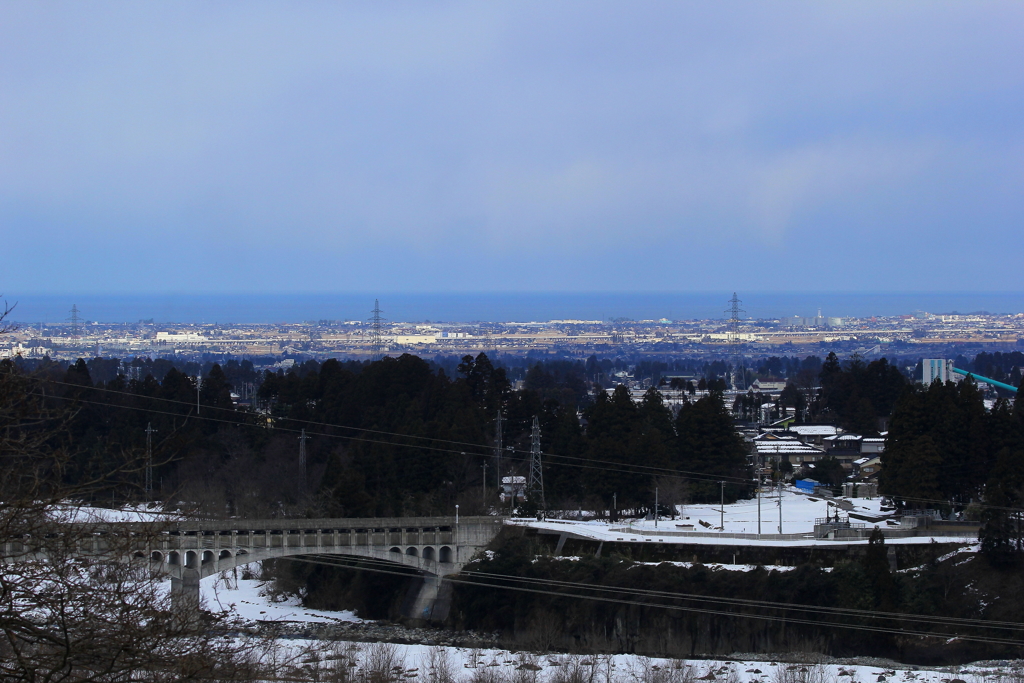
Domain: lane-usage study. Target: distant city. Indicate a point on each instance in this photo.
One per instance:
(915, 333)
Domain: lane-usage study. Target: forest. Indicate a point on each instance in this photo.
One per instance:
(405, 436)
(399, 436)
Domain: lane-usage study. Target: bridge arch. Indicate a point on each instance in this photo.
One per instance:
(174, 558)
(156, 556)
(191, 560)
(444, 554)
(224, 555)
(428, 553)
(411, 551)
(396, 550)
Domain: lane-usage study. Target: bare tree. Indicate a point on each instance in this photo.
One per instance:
(79, 600)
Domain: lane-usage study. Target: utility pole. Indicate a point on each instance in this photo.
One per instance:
(483, 487)
(149, 460)
(722, 522)
(655, 507)
(615, 507)
(497, 449)
(536, 484)
(302, 458)
(758, 492)
(780, 510)
(199, 383)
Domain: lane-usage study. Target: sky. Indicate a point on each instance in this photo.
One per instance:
(529, 146)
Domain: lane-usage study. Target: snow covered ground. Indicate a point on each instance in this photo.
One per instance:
(438, 664)
(707, 524)
(254, 600)
(251, 600)
(798, 514)
(87, 514)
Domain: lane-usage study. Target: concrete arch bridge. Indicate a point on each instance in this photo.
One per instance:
(435, 547)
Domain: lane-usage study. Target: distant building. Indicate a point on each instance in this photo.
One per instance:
(936, 369)
(183, 337)
(768, 385)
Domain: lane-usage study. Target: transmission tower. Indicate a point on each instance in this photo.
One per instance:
(535, 487)
(149, 459)
(74, 320)
(378, 342)
(734, 311)
(302, 457)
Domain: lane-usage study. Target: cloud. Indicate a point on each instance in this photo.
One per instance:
(568, 138)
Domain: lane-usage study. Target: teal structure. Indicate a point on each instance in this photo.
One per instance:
(993, 382)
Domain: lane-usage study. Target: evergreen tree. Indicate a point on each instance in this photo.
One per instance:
(876, 568)
(1002, 531)
(708, 444)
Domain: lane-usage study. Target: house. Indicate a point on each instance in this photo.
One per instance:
(510, 486)
(771, 385)
(869, 469)
(775, 448)
(814, 434)
(872, 445)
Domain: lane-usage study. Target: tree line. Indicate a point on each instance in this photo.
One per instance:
(399, 436)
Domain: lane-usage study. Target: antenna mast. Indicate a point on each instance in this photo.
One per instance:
(536, 484)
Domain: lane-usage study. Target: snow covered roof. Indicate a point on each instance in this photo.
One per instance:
(768, 436)
(844, 437)
(814, 430)
(765, 447)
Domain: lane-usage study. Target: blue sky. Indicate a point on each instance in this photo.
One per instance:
(591, 146)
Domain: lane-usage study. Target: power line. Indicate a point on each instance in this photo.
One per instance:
(569, 461)
(376, 566)
(628, 467)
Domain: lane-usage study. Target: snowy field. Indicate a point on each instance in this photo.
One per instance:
(253, 600)
(391, 663)
(348, 661)
(707, 523)
(798, 514)
(86, 514)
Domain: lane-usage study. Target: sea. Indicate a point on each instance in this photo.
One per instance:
(269, 308)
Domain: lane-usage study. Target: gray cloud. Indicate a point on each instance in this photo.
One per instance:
(511, 146)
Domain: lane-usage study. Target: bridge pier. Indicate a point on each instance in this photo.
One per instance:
(185, 595)
(428, 600)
